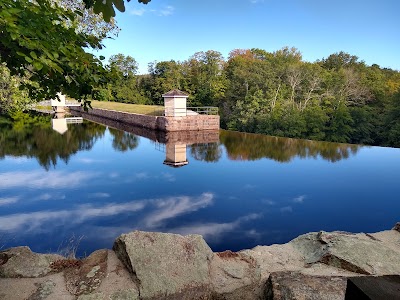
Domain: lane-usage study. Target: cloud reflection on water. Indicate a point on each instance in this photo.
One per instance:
(213, 230)
(9, 200)
(150, 215)
(160, 210)
(172, 207)
(44, 180)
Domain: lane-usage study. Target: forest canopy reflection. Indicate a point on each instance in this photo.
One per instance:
(32, 136)
(249, 146)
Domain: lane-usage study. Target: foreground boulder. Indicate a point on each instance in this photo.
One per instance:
(22, 262)
(149, 265)
(235, 276)
(89, 275)
(294, 285)
(167, 266)
(358, 253)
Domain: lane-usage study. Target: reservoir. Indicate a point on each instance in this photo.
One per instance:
(85, 186)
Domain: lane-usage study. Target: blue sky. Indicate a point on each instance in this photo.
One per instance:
(176, 29)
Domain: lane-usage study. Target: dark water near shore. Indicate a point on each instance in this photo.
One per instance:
(238, 190)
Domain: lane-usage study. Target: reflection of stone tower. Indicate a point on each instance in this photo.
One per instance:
(175, 103)
(175, 155)
(59, 123)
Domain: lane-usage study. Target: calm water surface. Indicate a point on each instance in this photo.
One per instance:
(238, 190)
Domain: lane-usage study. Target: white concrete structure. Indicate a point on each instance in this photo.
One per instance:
(58, 104)
(175, 103)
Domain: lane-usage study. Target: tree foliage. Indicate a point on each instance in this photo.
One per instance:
(87, 21)
(37, 41)
(338, 99)
(106, 7)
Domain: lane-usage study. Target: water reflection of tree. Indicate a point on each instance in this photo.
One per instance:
(248, 146)
(209, 152)
(122, 140)
(33, 136)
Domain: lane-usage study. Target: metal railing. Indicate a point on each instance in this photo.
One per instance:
(74, 120)
(191, 111)
(204, 110)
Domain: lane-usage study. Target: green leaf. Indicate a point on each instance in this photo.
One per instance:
(102, 57)
(33, 55)
(119, 4)
(38, 65)
(28, 59)
(98, 7)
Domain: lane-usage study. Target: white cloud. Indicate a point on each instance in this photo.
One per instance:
(7, 201)
(249, 186)
(268, 202)
(168, 177)
(256, 1)
(287, 209)
(35, 220)
(42, 179)
(141, 175)
(213, 230)
(299, 199)
(163, 210)
(164, 12)
(175, 206)
(48, 196)
(167, 11)
(86, 160)
(113, 175)
(89, 211)
(145, 176)
(137, 12)
(99, 195)
(45, 196)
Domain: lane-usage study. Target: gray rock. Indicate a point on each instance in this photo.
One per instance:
(44, 290)
(235, 275)
(118, 283)
(130, 294)
(276, 258)
(294, 285)
(397, 227)
(358, 253)
(88, 277)
(22, 262)
(167, 266)
(93, 296)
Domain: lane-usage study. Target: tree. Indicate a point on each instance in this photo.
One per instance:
(40, 39)
(127, 65)
(207, 79)
(340, 60)
(12, 97)
(89, 22)
(166, 76)
(106, 7)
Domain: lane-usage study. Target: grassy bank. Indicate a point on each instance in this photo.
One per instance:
(131, 108)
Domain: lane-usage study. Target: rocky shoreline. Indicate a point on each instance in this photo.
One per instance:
(151, 265)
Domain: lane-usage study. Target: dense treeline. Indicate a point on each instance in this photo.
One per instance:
(338, 99)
